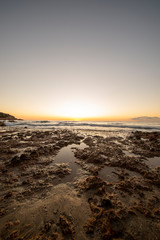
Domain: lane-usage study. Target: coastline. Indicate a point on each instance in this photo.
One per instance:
(87, 125)
(79, 184)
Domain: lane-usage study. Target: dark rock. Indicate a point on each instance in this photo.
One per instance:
(2, 124)
(7, 116)
(9, 194)
(34, 154)
(2, 212)
(15, 160)
(47, 226)
(24, 157)
(66, 226)
(106, 203)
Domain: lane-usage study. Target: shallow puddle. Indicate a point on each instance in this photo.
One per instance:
(153, 162)
(66, 155)
(132, 173)
(110, 174)
(107, 174)
(130, 154)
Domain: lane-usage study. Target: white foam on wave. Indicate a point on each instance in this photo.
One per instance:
(86, 125)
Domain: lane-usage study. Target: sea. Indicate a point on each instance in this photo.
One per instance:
(88, 125)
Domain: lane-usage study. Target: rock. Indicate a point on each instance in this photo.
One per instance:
(2, 212)
(34, 154)
(106, 203)
(9, 194)
(90, 225)
(9, 224)
(92, 182)
(15, 160)
(24, 157)
(7, 116)
(17, 222)
(47, 226)
(66, 226)
(2, 124)
(14, 235)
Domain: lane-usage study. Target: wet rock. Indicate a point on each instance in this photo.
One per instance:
(39, 173)
(24, 157)
(9, 194)
(90, 225)
(103, 223)
(92, 182)
(145, 143)
(62, 169)
(90, 155)
(13, 235)
(116, 209)
(106, 203)
(17, 222)
(47, 226)
(94, 171)
(26, 182)
(34, 154)
(15, 161)
(88, 141)
(19, 160)
(2, 124)
(66, 227)
(9, 225)
(4, 170)
(2, 211)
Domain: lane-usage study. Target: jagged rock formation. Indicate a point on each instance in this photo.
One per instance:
(6, 116)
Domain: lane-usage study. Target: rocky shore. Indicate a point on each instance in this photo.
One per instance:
(6, 116)
(65, 184)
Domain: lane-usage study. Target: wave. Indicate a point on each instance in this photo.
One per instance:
(42, 121)
(86, 125)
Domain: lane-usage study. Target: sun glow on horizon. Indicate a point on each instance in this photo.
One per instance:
(78, 110)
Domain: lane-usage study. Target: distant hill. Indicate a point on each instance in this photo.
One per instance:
(6, 116)
(145, 118)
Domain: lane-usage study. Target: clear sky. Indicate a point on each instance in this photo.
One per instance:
(80, 59)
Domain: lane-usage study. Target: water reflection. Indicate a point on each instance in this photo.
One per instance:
(66, 155)
(153, 162)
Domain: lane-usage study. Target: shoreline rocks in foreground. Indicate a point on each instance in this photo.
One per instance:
(108, 190)
(2, 124)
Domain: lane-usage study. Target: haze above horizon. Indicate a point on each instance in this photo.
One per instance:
(80, 60)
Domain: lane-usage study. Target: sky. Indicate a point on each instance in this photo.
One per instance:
(80, 60)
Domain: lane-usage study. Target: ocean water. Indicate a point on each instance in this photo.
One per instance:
(107, 125)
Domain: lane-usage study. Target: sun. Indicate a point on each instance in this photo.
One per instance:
(78, 110)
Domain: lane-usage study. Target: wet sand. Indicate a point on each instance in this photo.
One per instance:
(64, 184)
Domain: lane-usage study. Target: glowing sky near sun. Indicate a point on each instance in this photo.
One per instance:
(80, 59)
